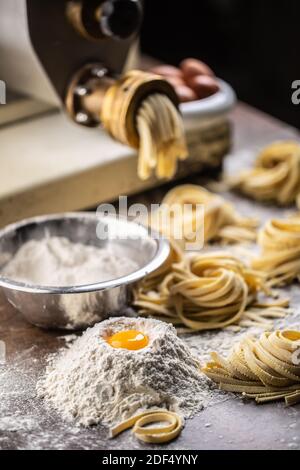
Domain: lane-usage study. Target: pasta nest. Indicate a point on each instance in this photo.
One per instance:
(266, 369)
(208, 291)
(275, 176)
(220, 221)
(280, 244)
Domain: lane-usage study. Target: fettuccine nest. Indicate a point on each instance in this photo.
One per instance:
(275, 176)
(219, 220)
(280, 250)
(208, 291)
(266, 369)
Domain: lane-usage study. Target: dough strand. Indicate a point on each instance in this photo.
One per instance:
(161, 134)
(153, 435)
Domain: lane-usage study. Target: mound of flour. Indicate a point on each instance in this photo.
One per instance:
(56, 261)
(92, 382)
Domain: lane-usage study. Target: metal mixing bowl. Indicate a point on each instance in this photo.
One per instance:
(50, 307)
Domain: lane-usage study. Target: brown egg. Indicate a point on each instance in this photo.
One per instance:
(167, 71)
(175, 81)
(193, 67)
(185, 94)
(203, 85)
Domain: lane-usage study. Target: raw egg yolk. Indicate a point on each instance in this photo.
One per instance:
(291, 335)
(129, 339)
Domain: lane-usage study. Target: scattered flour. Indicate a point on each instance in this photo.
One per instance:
(55, 261)
(17, 423)
(201, 345)
(91, 382)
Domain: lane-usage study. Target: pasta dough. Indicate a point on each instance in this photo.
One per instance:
(276, 175)
(221, 221)
(153, 435)
(280, 245)
(263, 369)
(208, 291)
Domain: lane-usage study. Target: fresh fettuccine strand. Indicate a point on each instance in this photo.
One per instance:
(153, 435)
(208, 291)
(275, 176)
(279, 241)
(265, 369)
(162, 139)
(192, 208)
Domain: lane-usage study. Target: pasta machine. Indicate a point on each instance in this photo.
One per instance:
(57, 58)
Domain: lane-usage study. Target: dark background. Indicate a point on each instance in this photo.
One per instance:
(254, 45)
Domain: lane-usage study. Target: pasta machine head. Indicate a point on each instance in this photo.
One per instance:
(43, 45)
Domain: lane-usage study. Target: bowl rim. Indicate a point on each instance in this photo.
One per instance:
(160, 256)
(219, 103)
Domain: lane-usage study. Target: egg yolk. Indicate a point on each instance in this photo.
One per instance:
(291, 335)
(128, 339)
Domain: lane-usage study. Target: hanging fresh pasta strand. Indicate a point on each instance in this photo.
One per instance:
(164, 137)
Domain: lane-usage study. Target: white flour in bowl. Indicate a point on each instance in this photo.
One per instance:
(55, 261)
